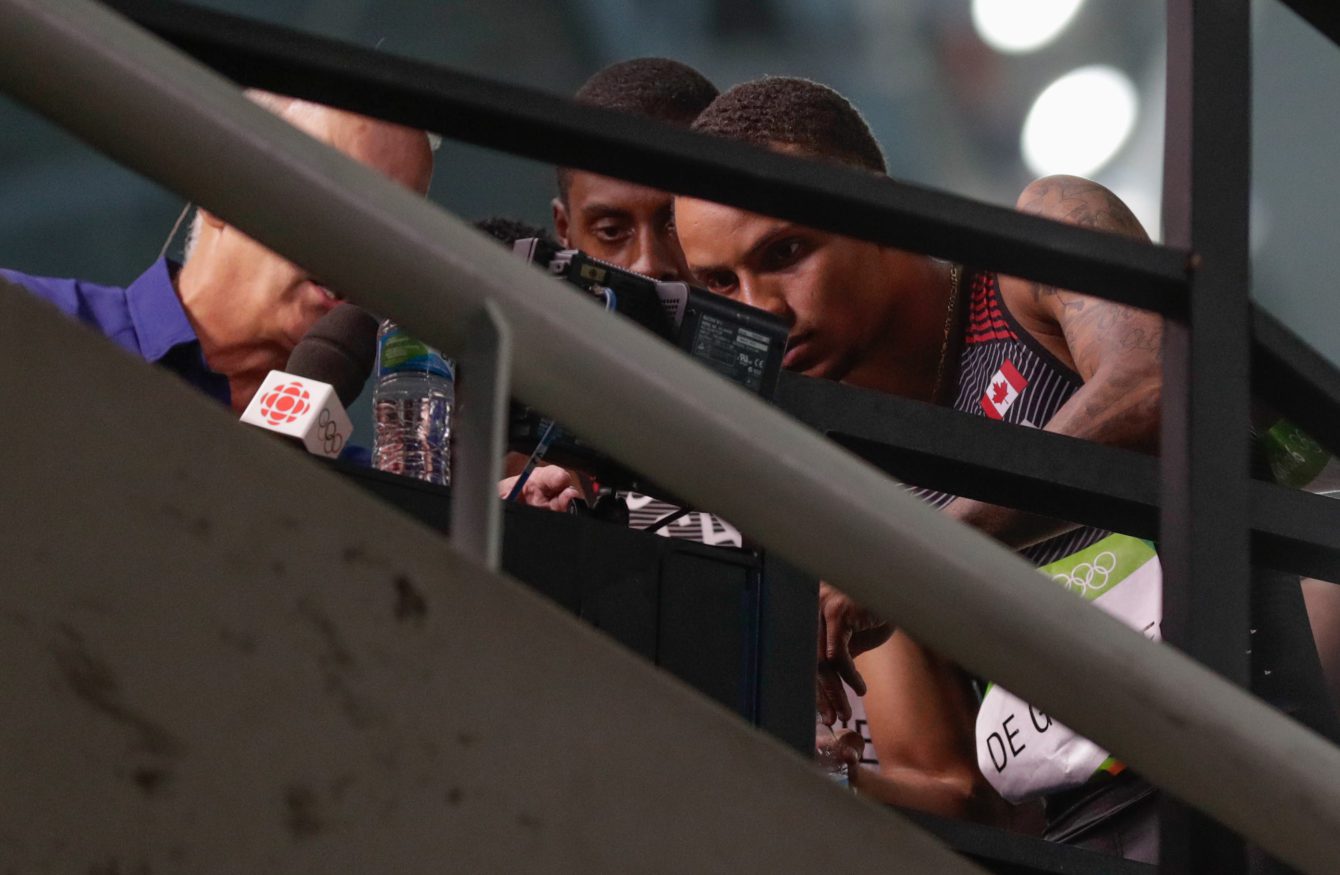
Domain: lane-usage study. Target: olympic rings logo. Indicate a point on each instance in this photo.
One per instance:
(330, 432)
(1089, 577)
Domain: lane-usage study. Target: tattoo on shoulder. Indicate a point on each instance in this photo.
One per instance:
(1080, 202)
(1092, 324)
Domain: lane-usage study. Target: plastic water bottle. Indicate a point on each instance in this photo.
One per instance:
(411, 407)
(1298, 461)
(828, 753)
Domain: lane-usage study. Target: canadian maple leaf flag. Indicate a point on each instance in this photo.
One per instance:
(1000, 393)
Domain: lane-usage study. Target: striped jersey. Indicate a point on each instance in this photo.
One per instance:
(1005, 374)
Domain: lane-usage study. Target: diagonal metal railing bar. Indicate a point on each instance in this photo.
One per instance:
(821, 508)
(549, 128)
(221, 674)
(1324, 15)
(944, 449)
(1047, 473)
(1295, 531)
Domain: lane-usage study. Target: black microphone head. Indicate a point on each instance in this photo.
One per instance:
(338, 349)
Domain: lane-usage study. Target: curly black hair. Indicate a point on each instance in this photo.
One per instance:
(789, 111)
(658, 88)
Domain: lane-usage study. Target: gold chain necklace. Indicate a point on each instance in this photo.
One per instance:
(954, 274)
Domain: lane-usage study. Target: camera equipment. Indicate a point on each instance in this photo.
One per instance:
(742, 343)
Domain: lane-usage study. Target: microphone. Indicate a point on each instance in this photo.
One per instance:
(324, 374)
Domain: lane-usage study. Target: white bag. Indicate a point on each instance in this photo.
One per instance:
(1023, 752)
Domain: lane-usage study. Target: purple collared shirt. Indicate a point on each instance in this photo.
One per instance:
(145, 318)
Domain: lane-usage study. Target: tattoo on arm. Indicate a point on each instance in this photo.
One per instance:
(1089, 323)
(1077, 202)
(1121, 346)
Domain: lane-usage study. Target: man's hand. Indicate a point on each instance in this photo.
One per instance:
(846, 630)
(549, 486)
(839, 749)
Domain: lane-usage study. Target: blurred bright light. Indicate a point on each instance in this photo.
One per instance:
(1145, 203)
(1016, 26)
(1079, 122)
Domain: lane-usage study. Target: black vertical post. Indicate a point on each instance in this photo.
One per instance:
(1205, 463)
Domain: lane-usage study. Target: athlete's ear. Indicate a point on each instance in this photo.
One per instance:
(560, 221)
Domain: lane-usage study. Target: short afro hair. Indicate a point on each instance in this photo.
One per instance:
(656, 88)
(788, 111)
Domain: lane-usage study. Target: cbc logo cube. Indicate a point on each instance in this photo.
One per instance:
(305, 409)
(286, 403)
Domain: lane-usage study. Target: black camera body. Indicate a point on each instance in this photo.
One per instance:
(742, 343)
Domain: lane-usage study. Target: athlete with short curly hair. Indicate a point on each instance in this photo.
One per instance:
(793, 114)
(997, 346)
(631, 226)
(621, 222)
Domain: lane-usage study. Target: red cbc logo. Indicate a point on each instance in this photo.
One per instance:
(284, 404)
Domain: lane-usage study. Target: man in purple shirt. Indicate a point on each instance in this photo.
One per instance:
(234, 310)
(145, 318)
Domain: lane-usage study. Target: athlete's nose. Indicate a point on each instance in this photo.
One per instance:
(764, 297)
(657, 258)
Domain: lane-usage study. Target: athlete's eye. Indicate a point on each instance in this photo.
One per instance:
(783, 253)
(718, 282)
(610, 232)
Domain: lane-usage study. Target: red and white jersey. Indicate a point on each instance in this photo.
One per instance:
(1006, 375)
